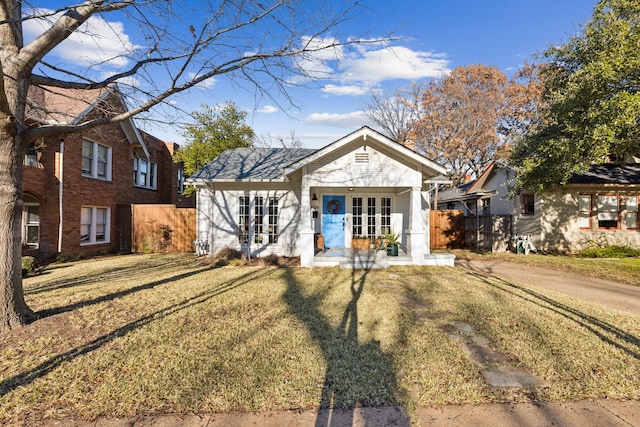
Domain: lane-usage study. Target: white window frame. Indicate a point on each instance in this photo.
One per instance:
(631, 218)
(26, 225)
(259, 219)
(94, 163)
(91, 214)
(369, 220)
(147, 178)
(31, 156)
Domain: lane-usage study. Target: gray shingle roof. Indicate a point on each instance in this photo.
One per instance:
(251, 164)
(609, 173)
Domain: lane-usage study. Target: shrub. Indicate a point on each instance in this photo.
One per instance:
(228, 254)
(158, 240)
(270, 260)
(29, 265)
(612, 251)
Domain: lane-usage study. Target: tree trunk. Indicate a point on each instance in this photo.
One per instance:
(13, 309)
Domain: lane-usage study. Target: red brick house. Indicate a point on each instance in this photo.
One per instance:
(77, 187)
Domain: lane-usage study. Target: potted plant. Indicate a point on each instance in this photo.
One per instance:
(392, 241)
(360, 243)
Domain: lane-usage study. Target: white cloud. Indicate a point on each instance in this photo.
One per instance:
(315, 62)
(353, 120)
(393, 63)
(368, 65)
(346, 90)
(268, 109)
(97, 41)
(205, 84)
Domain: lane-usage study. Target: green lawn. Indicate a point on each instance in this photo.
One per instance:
(153, 334)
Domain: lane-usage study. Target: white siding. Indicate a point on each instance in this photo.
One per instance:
(225, 214)
(379, 171)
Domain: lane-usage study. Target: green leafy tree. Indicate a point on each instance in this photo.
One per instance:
(215, 130)
(592, 93)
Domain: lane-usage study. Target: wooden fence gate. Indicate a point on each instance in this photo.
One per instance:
(447, 229)
(162, 228)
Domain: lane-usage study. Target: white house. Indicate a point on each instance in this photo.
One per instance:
(311, 203)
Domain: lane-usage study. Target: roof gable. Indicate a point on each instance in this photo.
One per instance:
(60, 106)
(368, 136)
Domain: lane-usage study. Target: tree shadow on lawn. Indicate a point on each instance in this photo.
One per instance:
(621, 339)
(358, 374)
(112, 296)
(52, 363)
(137, 270)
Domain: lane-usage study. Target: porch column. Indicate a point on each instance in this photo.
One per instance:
(426, 219)
(416, 233)
(305, 241)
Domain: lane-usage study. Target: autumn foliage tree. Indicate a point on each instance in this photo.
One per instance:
(180, 45)
(473, 111)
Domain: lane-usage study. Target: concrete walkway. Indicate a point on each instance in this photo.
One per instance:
(584, 413)
(612, 294)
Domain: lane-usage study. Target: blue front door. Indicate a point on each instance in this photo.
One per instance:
(333, 209)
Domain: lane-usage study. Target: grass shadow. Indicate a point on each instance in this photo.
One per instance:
(357, 374)
(605, 331)
(56, 361)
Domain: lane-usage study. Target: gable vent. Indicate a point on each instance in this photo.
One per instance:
(362, 158)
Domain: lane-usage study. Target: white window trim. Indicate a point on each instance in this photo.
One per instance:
(151, 181)
(262, 238)
(94, 162)
(26, 224)
(378, 214)
(92, 233)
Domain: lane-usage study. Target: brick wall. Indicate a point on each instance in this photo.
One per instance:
(78, 190)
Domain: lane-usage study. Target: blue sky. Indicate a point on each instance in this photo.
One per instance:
(437, 35)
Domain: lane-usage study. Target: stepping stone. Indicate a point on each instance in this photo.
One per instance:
(480, 340)
(463, 327)
(485, 355)
(508, 376)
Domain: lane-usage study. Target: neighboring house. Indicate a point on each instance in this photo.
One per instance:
(300, 202)
(598, 207)
(73, 184)
(490, 213)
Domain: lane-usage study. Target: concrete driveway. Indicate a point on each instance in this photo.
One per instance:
(612, 294)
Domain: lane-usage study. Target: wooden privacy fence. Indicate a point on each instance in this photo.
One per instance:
(447, 229)
(162, 228)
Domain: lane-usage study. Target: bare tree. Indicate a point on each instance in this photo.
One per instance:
(396, 113)
(269, 141)
(260, 45)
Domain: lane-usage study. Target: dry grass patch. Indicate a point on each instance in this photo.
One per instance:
(622, 270)
(151, 334)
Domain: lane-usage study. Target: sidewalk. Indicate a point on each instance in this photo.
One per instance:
(584, 413)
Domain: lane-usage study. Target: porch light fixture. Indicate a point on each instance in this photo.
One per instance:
(315, 203)
(350, 188)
